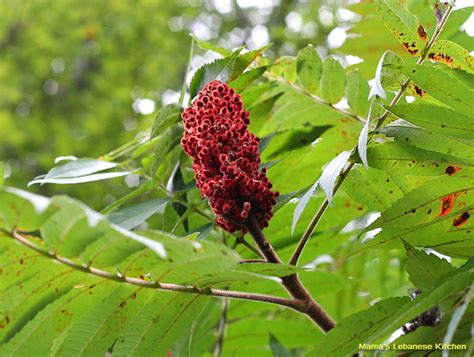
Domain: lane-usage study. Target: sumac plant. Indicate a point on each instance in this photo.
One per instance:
(288, 207)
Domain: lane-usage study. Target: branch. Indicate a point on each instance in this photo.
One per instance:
(291, 303)
(320, 212)
(291, 283)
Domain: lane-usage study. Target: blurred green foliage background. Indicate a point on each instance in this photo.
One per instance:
(82, 77)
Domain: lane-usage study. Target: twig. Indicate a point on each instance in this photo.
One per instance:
(291, 283)
(241, 240)
(221, 329)
(315, 220)
(320, 212)
(291, 303)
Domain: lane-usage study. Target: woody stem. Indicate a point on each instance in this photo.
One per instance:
(292, 282)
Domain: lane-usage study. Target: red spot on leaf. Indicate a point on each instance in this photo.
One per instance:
(451, 170)
(459, 221)
(441, 57)
(412, 49)
(422, 33)
(447, 204)
(419, 92)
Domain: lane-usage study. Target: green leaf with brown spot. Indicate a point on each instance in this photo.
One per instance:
(444, 85)
(400, 158)
(441, 120)
(403, 24)
(436, 215)
(452, 54)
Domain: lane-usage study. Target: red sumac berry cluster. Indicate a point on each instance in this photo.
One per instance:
(226, 158)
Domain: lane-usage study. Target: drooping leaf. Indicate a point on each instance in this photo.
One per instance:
(167, 116)
(363, 137)
(331, 172)
(133, 216)
(332, 80)
(376, 89)
(302, 203)
(390, 76)
(79, 171)
(81, 179)
(309, 69)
